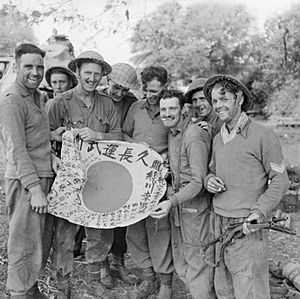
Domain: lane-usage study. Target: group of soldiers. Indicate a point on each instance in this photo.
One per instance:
(224, 169)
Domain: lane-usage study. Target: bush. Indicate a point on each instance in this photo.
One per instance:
(285, 102)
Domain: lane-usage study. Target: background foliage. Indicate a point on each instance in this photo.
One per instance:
(198, 41)
(15, 27)
(194, 41)
(209, 38)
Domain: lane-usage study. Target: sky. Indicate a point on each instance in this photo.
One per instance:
(116, 47)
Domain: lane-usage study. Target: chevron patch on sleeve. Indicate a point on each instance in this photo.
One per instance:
(278, 167)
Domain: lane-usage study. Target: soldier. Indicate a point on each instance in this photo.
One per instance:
(188, 203)
(121, 80)
(60, 79)
(249, 178)
(201, 111)
(149, 240)
(94, 117)
(25, 136)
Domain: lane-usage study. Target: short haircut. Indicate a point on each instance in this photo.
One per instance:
(27, 48)
(174, 93)
(154, 72)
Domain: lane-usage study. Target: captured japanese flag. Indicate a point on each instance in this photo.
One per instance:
(106, 184)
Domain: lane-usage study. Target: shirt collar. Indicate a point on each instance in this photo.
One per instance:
(147, 106)
(175, 131)
(241, 127)
(81, 102)
(180, 126)
(20, 89)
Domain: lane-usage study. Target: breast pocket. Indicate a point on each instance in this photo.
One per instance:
(102, 124)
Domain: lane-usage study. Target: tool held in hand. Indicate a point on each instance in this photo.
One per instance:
(235, 231)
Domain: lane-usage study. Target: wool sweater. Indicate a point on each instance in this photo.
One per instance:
(252, 168)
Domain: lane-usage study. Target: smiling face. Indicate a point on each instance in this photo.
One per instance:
(227, 105)
(200, 104)
(30, 70)
(170, 112)
(89, 76)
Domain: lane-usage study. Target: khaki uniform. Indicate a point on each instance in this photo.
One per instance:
(149, 240)
(25, 138)
(70, 111)
(189, 148)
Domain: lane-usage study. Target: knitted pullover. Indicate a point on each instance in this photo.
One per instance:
(252, 168)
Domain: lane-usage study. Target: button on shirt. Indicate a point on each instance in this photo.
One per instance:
(142, 125)
(191, 145)
(69, 110)
(25, 136)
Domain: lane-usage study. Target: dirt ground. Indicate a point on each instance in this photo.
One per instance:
(283, 248)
